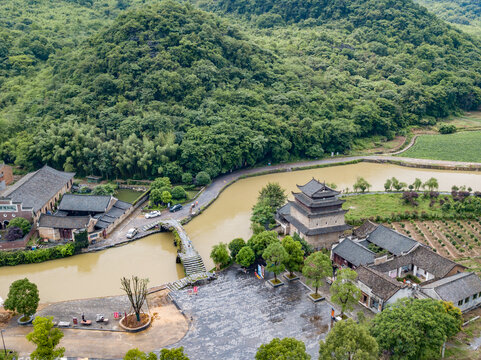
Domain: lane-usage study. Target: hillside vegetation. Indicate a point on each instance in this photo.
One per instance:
(466, 13)
(166, 88)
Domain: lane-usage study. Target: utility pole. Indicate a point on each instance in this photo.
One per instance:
(4, 348)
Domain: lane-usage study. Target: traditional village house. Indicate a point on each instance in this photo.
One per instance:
(35, 194)
(462, 289)
(382, 255)
(62, 228)
(316, 214)
(98, 214)
(379, 290)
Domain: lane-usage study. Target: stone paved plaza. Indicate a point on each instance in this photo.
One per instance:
(235, 314)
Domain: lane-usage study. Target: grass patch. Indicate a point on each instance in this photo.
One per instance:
(315, 296)
(462, 146)
(10, 355)
(383, 205)
(127, 195)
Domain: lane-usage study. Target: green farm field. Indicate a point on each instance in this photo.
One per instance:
(462, 146)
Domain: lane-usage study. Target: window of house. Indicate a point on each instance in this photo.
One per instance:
(460, 302)
(466, 300)
(475, 296)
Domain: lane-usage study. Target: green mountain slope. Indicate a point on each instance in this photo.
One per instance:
(466, 13)
(167, 88)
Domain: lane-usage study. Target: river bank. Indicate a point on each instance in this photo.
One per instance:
(96, 273)
(210, 193)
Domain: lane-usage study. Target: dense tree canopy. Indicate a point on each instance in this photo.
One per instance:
(166, 89)
(415, 329)
(349, 341)
(283, 349)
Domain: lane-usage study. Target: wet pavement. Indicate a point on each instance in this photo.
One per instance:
(235, 314)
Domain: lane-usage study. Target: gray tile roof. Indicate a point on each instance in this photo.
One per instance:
(454, 288)
(102, 224)
(424, 258)
(117, 210)
(353, 252)
(63, 222)
(391, 240)
(84, 203)
(381, 285)
(122, 205)
(36, 189)
(365, 229)
(318, 203)
(316, 189)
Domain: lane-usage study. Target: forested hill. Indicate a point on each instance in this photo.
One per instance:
(166, 88)
(461, 12)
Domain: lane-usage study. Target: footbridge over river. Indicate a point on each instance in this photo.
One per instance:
(191, 260)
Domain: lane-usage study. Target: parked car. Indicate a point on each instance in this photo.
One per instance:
(152, 214)
(175, 208)
(131, 233)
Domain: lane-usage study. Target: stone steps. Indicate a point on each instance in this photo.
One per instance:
(188, 280)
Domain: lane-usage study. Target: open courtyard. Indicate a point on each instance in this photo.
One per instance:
(234, 315)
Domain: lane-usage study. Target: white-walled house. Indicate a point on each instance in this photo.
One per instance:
(379, 290)
(463, 290)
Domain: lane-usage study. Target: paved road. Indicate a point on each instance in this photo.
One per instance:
(212, 191)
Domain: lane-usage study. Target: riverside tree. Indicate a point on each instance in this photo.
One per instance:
(245, 257)
(431, 184)
(275, 255)
(271, 198)
(220, 255)
(285, 349)
(166, 197)
(136, 290)
(361, 184)
(235, 246)
(417, 184)
(261, 241)
(202, 178)
(414, 329)
(343, 290)
(273, 194)
(262, 214)
(46, 337)
(178, 193)
(349, 341)
(316, 268)
(22, 298)
(295, 255)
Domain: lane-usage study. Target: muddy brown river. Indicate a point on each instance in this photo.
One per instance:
(98, 274)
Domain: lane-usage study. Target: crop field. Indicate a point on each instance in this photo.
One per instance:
(456, 240)
(462, 146)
